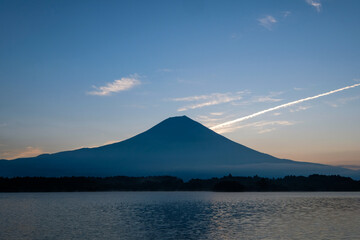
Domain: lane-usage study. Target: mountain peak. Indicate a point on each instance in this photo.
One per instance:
(179, 118)
(177, 122)
(180, 127)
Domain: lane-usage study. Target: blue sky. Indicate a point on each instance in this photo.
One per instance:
(85, 73)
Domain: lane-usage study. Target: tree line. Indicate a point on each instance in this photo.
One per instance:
(169, 183)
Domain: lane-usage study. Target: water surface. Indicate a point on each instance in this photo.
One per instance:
(179, 215)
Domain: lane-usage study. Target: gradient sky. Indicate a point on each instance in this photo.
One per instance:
(84, 73)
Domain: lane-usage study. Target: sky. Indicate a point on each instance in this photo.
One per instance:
(86, 73)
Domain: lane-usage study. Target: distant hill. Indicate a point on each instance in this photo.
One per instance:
(177, 146)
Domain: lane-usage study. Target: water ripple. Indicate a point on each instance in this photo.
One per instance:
(179, 215)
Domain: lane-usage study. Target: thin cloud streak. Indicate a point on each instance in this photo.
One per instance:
(342, 101)
(286, 14)
(122, 84)
(217, 113)
(267, 99)
(281, 106)
(298, 89)
(208, 100)
(267, 22)
(261, 99)
(315, 3)
(298, 109)
(197, 98)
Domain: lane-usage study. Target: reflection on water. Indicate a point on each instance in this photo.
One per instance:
(179, 215)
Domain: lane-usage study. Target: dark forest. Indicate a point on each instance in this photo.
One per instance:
(168, 183)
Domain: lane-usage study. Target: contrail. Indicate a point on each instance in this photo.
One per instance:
(281, 106)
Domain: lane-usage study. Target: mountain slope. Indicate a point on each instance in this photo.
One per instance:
(177, 146)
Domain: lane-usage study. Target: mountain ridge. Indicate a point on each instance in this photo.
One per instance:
(177, 146)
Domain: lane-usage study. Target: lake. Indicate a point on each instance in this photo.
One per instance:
(180, 215)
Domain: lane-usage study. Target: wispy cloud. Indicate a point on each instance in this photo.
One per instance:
(217, 113)
(267, 130)
(315, 3)
(236, 36)
(271, 97)
(342, 101)
(348, 99)
(271, 123)
(282, 106)
(22, 153)
(286, 14)
(300, 108)
(267, 22)
(208, 100)
(213, 119)
(196, 98)
(298, 89)
(207, 120)
(267, 99)
(122, 84)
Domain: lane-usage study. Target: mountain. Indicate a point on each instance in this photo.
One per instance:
(177, 146)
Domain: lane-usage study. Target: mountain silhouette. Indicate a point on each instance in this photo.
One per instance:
(177, 146)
